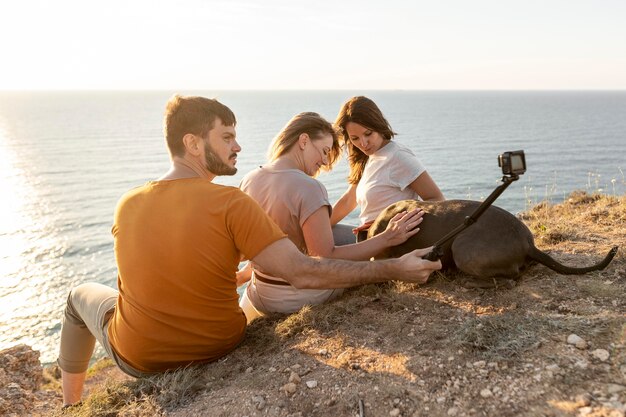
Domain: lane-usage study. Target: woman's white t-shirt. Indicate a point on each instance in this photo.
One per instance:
(386, 177)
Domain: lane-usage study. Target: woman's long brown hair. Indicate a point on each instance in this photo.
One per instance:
(365, 112)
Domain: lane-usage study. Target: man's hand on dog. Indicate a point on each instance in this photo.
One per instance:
(415, 269)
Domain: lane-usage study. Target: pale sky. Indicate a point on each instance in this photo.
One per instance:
(315, 44)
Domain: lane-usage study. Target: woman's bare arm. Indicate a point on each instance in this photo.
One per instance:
(426, 188)
(344, 205)
(319, 237)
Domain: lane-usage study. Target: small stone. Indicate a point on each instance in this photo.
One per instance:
(553, 368)
(249, 370)
(584, 411)
(453, 411)
(289, 388)
(260, 402)
(486, 393)
(582, 364)
(579, 342)
(311, 384)
(296, 366)
(323, 352)
(295, 378)
(479, 364)
(396, 401)
(600, 354)
(272, 369)
(395, 412)
(441, 400)
(450, 358)
(410, 334)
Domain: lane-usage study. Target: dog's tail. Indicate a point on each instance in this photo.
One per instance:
(553, 264)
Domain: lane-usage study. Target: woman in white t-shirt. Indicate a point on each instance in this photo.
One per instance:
(382, 172)
(287, 190)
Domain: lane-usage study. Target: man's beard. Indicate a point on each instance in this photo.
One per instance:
(215, 165)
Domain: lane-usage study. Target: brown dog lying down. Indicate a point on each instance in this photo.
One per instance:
(498, 245)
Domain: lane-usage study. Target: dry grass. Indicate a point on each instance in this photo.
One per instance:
(141, 397)
(419, 349)
(552, 224)
(501, 337)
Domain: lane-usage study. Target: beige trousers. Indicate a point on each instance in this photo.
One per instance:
(87, 313)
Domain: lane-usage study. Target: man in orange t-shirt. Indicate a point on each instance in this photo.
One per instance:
(178, 242)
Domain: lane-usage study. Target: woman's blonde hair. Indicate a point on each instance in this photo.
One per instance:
(313, 125)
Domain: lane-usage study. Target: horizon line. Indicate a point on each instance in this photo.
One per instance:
(156, 90)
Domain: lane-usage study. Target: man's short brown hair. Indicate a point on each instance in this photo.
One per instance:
(195, 115)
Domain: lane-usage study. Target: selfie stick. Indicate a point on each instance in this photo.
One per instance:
(437, 251)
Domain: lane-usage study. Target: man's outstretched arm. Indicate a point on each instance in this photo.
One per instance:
(283, 259)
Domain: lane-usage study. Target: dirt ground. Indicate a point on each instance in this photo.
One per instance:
(553, 345)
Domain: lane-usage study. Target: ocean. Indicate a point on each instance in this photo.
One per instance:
(67, 157)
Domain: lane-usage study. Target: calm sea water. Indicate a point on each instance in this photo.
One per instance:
(66, 158)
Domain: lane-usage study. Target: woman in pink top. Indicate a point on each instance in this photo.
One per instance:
(288, 191)
(382, 172)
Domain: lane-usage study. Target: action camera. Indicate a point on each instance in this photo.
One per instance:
(512, 163)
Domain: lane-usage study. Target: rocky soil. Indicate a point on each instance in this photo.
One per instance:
(21, 384)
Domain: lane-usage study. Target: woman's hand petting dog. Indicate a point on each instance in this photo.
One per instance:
(402, 226)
